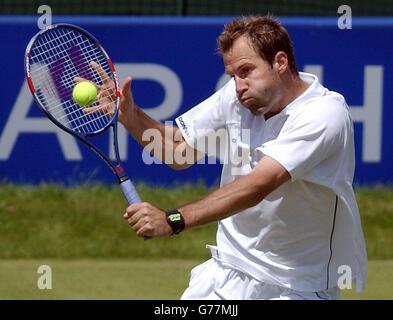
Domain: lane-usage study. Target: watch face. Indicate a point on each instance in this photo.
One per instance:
(176, 221)
(174, 217)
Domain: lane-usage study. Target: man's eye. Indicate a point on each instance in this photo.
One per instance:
(244, 72)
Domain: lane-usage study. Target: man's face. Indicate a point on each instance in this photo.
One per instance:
(257, 83)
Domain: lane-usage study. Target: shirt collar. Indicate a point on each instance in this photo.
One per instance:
(314, 90)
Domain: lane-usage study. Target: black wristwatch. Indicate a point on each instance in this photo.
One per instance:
(175, 220)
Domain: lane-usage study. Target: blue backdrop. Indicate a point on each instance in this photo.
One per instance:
(175, 66)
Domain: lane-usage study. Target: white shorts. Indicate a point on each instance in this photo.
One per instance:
(213, 280)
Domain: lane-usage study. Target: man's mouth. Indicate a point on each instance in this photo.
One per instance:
(244, 100)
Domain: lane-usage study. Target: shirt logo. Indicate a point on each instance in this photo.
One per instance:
(184, 126)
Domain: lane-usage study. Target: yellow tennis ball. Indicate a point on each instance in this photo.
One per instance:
(84, 93)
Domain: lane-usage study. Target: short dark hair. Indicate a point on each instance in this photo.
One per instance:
(266, 34)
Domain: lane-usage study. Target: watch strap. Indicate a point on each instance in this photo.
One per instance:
(175, 220)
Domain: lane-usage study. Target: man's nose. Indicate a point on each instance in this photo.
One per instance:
(240, 86)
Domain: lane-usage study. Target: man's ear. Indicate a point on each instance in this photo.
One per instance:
(281, 62)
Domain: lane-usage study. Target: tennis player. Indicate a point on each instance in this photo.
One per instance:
(287, 216)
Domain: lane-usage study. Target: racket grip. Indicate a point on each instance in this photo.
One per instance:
(130, 192)
(131, 195)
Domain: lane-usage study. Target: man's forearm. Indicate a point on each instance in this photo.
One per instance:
(243, 193)
(223, 202)
(139, 122)
(162, 141)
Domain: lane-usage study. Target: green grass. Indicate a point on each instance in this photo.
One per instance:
(376, 208)
(135, 279)
(96, 279)
(50, 221)
(80, 233)
(379, 284)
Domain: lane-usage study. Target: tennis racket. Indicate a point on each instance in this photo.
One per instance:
(55, 58)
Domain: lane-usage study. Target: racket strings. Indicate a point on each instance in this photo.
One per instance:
(74, 121)
(48, 44)
(95, 57)
(59, 56)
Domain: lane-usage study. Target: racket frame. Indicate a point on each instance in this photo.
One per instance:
(124, 181)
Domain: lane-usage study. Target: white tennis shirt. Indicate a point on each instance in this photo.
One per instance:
(305, 235)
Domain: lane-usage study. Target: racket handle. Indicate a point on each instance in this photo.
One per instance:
(130, 192)
(131, 195)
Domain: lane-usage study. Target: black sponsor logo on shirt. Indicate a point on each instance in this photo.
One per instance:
(184, 126)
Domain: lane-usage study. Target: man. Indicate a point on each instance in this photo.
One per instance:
(288, 218)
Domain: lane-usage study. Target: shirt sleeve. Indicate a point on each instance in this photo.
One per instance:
(310, 138)
(205, 121)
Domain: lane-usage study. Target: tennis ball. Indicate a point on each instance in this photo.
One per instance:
(84, 93)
